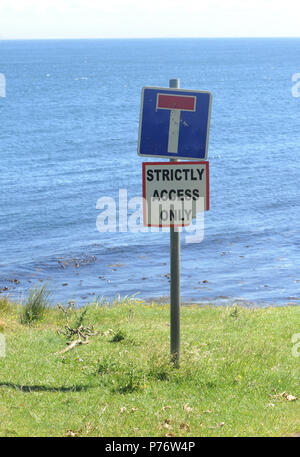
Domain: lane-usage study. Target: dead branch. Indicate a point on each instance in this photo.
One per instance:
(77, 331)
(72, 346)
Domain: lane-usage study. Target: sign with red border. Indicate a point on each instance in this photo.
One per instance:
(174, 192)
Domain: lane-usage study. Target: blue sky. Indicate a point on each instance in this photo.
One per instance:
(156, 18)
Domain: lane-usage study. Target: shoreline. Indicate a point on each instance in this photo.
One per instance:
(94, 274)
(159, 300)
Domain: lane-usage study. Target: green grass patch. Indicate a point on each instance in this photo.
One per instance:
(236, 373)
(118, 336)
(36, 305)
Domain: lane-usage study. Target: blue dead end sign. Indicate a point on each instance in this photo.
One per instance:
(174, 123)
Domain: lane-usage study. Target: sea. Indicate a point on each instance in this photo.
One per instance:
(69, 125)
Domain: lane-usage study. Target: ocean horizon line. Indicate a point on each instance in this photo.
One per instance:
(154, 38)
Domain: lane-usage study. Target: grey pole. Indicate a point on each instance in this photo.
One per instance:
(175, 278)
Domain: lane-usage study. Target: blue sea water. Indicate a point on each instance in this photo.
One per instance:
(68, 136)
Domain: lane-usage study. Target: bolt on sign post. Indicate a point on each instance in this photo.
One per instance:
(174, 124)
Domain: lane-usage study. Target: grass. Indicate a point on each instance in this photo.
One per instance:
(36, 305)
(235, 365)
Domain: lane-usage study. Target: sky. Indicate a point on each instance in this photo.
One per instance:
(30, 19)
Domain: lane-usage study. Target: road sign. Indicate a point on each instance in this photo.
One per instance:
(174, 123)
(174, 192)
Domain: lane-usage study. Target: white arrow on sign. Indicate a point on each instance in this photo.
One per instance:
(176, 104)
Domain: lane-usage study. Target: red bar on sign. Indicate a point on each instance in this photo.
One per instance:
(180, 102)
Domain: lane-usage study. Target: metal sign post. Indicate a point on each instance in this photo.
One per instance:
(175, 278)
(174, 124)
